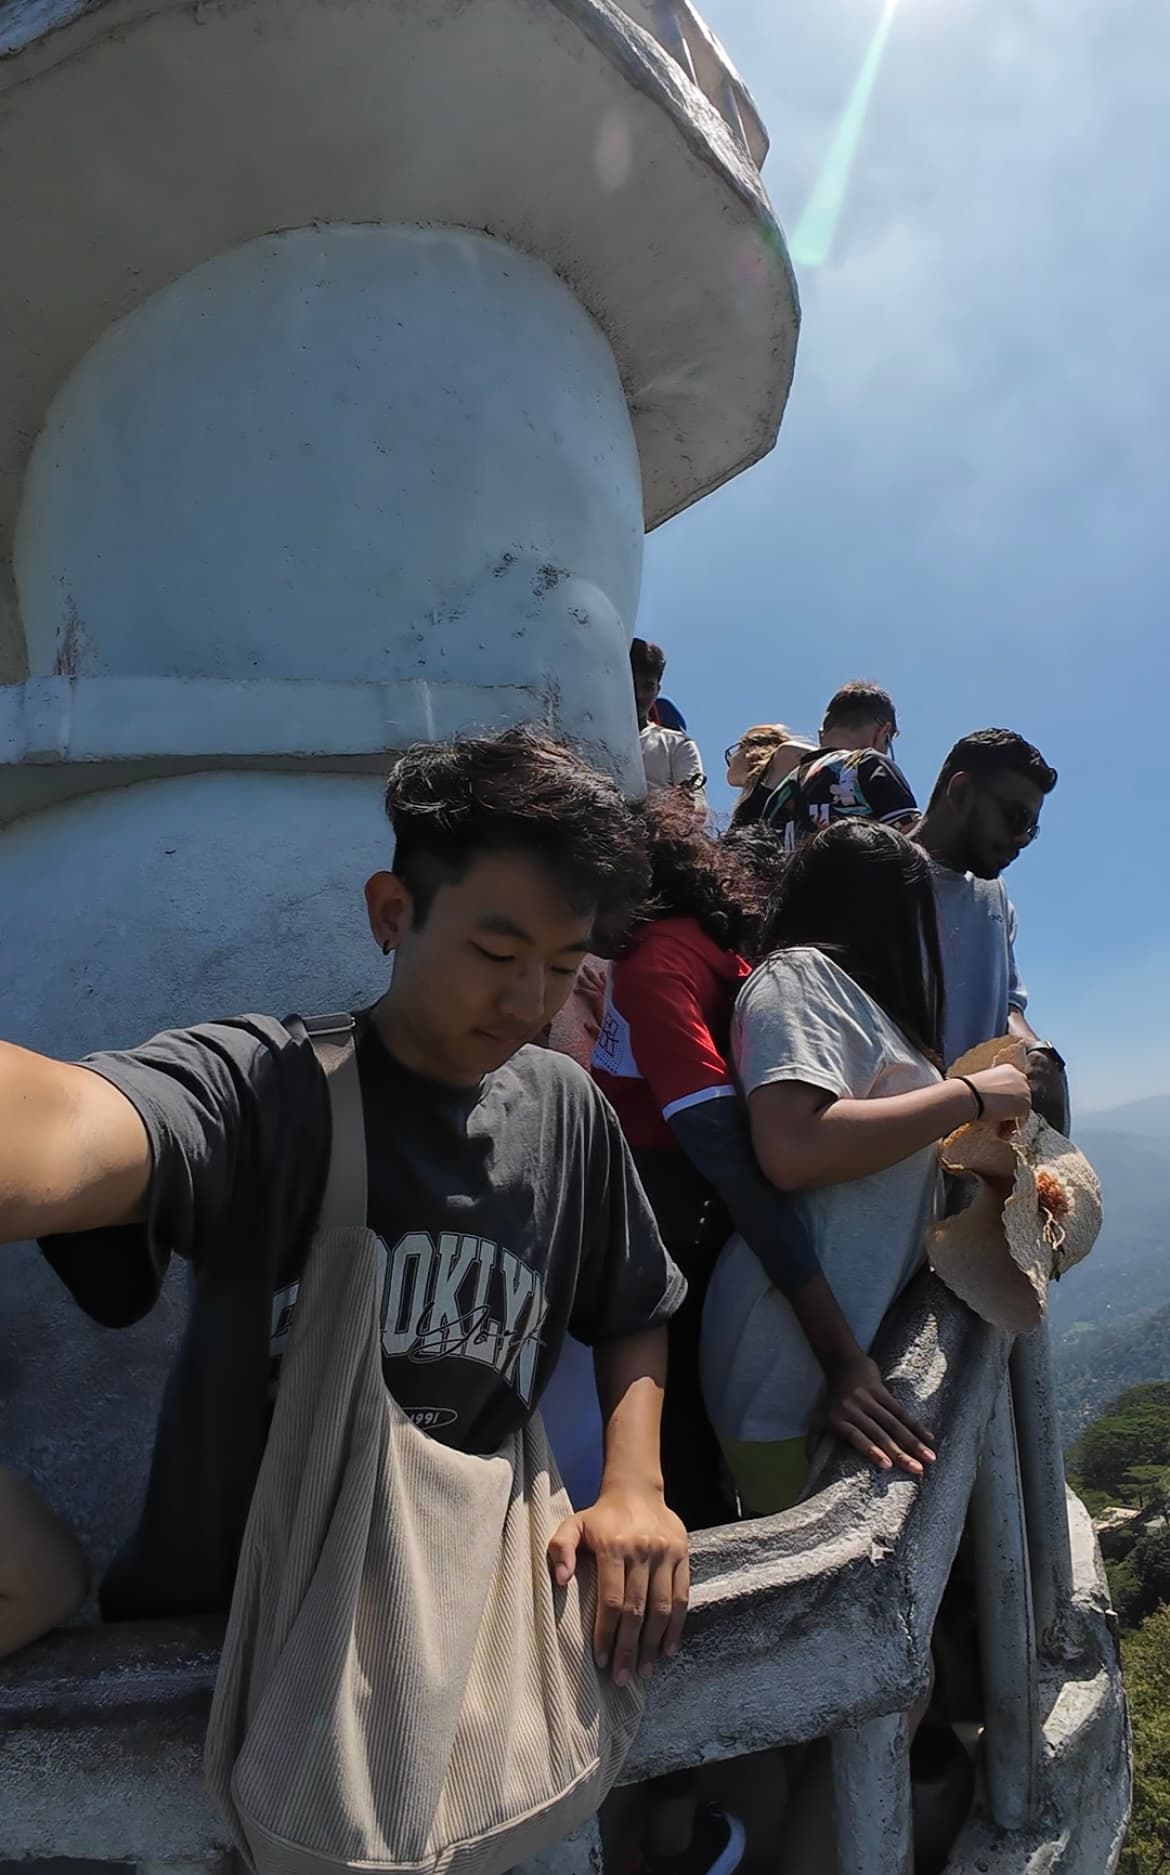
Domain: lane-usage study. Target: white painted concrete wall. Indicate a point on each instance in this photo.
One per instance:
(344, 463)
(146, 138)
(346, 453)
(126, 912)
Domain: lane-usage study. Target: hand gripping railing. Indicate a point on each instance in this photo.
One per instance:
(814, 1624)
(818, 1623)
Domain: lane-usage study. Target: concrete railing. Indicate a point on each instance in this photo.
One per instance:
(812, 1624)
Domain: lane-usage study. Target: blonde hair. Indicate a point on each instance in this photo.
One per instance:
(758, 745)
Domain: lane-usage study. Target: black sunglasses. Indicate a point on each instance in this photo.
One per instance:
(1016, 818)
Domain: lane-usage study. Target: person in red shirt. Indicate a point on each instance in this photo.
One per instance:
(662, 1058)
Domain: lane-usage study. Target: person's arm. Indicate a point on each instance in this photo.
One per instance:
(1045, 1065)
(686, 770)
(627, 1290)
(639, 1545)
(121, 1161)
(804, 1137)
(690, 1077)
(1045, 1070)
(859, 1408)
(74, 1153)
(43, 1574)
(657, 992)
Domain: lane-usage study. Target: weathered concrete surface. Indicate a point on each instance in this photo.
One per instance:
(823, 1616)
(619, 175)
(355, 455)
(676, 26)
(802, 1623)
(394, 457)
(1083, 1801)
(61, 737)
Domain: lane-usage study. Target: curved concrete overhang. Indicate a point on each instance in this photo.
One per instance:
(139, 138)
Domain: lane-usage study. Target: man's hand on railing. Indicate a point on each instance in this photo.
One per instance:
(860, 1410)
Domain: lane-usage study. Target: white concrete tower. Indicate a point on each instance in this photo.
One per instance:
(346, 353)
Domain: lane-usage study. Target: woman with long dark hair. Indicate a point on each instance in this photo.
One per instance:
(836, 1040)
(663, 1058)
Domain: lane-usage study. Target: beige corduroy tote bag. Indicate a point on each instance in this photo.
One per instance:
(402, 1686)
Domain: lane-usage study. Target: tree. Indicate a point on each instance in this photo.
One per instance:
(1150, 1560)
(1133, 1431)
(1146, 1660)
(1148, 1484)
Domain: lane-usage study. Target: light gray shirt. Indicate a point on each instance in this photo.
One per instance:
(670, 758)
(977, 936)
(800, 1018)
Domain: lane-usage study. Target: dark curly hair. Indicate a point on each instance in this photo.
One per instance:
(864, 895)
(518, 791)
(725, 885)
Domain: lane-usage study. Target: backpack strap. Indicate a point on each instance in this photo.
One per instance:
(335, 1045)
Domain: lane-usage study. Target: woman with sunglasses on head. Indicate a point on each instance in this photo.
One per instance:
(764, 756)
(837, 1044)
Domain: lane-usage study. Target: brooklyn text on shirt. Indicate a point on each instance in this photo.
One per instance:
(460, 1297)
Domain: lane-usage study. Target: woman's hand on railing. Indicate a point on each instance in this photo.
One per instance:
(860, 1410)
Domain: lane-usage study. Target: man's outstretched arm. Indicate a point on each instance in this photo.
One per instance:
(74, 1154)
(639, 1545)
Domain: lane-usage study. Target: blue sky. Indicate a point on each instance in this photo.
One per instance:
(968, 500)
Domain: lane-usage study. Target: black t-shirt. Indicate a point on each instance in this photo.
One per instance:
(750, 808)
(838, 784)
(511, 1213)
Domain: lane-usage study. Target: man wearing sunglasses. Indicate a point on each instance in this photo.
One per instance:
(984, 811)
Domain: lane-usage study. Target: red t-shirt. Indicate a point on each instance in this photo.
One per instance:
(664, 1037)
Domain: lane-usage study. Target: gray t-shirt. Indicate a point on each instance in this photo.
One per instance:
(977, 937)
(511, 1213)
(801, 1018)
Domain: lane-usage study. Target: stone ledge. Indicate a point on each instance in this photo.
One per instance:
(63, 737)
(800, 1623)
(1083, 1803)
